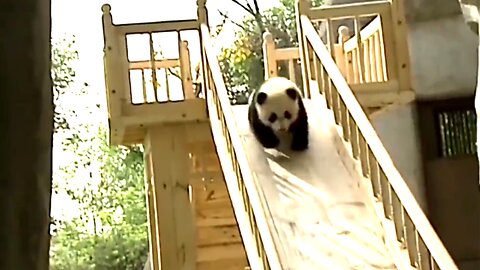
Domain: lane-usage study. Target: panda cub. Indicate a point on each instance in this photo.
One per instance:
(275, 108)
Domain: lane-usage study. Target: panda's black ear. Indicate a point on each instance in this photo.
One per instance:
(292, 93)
(261, 97)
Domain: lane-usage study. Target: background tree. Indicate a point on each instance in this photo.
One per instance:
(242, 62)
(105, 184)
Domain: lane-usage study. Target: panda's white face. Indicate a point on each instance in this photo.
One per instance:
(277, 103)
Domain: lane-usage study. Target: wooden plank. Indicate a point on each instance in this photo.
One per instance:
(287, 53)
(155, 27)
(228, 264)
(158, 64)
(206, 221)
(212, 197)
(218, 235)
(160, 113)
(221, 252)
(215, 213)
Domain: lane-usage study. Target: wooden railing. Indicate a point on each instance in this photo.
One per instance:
(406, 226)
(273, 56)
(363, 59)
(142, 72)
(374, 60)
(244, 192)
(137, 74)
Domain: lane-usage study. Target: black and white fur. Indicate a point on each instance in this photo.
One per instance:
(275, 108)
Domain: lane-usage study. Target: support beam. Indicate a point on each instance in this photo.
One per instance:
(153, 243)
(175, 218)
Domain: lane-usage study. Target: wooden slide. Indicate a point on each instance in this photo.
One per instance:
(323, 217)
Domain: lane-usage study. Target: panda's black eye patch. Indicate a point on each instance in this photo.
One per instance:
(273, 117)
(261, 98)
(287, 115)
(292, 93)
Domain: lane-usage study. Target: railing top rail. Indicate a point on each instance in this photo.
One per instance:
(420, 221)
(149, 27)
(362, 9)
(270, 249)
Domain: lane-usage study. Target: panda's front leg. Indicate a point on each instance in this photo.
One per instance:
(300, 136)
(265, 136)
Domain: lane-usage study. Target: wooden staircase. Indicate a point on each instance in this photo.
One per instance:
(219, 244)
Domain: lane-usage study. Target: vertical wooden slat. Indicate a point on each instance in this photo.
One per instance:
(425, 261)
(363, 154)
(328, 88)
(185, 69)
(167, 84)
(340, 59)
(318, 73)
(360, 56)
(374, 174)
(411, 235)
(378, 57)
(335, 103)
(372, 63)
(310, 67)
(386, 195)
(345, 122)
(152, 65)
(291, 70)
(383, 55)
(366, 57)
(354, 137)
(355, 67)
(144, 87)
(389, 45)
(398, 217)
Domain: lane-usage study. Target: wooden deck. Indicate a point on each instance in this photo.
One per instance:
(323, 215)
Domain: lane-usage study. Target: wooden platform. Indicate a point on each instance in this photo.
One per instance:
(322, 215)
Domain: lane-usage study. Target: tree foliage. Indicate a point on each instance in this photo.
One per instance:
(108, 229)
(63, 74)
(242, 62)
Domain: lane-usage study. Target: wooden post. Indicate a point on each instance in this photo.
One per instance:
(174, 215)
(269, 55)
(113, 80)
(185, 69)
(153, 243)
(202, 19)
(343, 34)
(302, 8)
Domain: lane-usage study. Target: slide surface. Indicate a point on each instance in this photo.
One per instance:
(323, 217)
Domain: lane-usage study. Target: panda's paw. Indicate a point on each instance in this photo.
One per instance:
(271, 143)
(299, 145)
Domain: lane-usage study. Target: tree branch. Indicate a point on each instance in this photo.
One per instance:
(225, 16)
(257, 8)
(246, 8)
